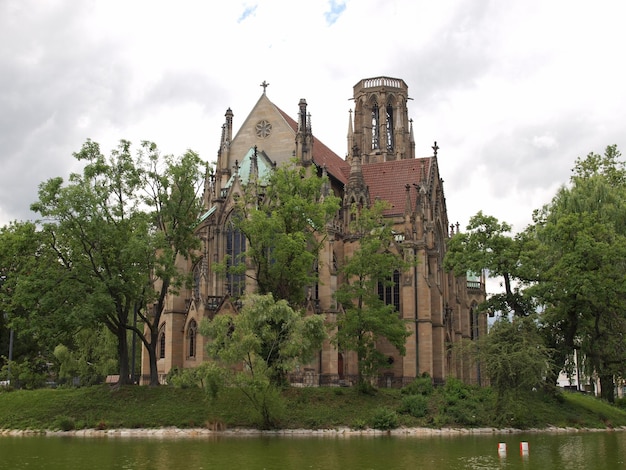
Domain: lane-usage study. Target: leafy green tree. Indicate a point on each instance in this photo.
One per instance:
(172, 197)
(513, 356)
(366, 318)
(32, 305)
(284, 221)
(94, 225)
(583, 261)
(489, 245)
(260, 344)
(118, 228)
(267, 336)
(91, 358)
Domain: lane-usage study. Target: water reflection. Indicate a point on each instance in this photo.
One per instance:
(588, 451)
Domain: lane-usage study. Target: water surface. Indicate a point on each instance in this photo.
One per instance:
(576, 451)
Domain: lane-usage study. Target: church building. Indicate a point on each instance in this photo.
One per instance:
(380, 163)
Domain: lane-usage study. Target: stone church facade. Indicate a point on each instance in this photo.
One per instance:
(381, 163)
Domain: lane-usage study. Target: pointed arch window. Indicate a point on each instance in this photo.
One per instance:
(315, 294)
(389, 127)
(474, 328)
(161, 343)
(192, 332)
(353, 210)
(235, 249)
(375, 126)
(196, 281)
(389, 290)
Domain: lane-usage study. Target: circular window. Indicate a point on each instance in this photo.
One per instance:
(263, 129)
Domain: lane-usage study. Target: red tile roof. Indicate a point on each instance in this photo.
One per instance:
(388, 180)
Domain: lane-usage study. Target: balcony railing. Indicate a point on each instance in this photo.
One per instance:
(312, 379)
(475, 285)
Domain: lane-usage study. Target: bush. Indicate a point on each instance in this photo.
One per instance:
(359, 424)
(420, 386)
(414, 405)
(207, 376)
(464, 405)
(268, 403)
(64, 423)
(384, 419)
(619, 402)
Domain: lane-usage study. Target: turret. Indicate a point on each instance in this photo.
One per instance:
(304, 136)
(380, 120)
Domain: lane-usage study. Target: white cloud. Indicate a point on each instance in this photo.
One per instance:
(544, 141)
(512, 92)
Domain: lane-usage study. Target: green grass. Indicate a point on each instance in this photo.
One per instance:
(454, 405)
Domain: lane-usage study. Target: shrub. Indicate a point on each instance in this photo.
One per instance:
(384, 419)
(414, 405)
(619, 402)
(454, 391)
(420, 386)
(64, 423)
(465, 405)
(207, 376)
(359, 424)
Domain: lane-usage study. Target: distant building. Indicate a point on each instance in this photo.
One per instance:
(380, 164)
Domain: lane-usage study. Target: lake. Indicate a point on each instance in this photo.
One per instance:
(567, 451)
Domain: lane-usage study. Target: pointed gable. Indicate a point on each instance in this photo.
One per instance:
(336, 166)
(266, 128)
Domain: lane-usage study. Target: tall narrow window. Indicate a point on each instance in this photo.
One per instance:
(196, 281)
(162, 343)
(191, 338)
(375, 127)
(474, 330)
(315, 294)
(389, 127)
(389, 291)
(235, 249)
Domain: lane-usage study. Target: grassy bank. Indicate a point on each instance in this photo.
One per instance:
(101, 407)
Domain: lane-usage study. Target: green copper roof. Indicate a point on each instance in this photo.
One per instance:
(264, 165)
(207, 214)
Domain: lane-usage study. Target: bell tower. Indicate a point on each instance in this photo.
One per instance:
(382, 130)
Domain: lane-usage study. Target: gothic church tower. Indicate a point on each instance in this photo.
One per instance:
(382, 131)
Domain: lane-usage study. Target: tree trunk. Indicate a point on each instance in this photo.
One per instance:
(607, 388)
(154, 324)
(122, 352)
(152, 357)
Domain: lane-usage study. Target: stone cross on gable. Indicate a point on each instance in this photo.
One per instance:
(435, 148)
(264, 85)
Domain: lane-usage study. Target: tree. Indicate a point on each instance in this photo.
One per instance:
(267, 336)
(583, 235)
(171, 187)
(119, 226)
(513, 356)
(260, 344)
(94, 225)
(90, 359)
(33, 306)
(284, 221)
(488, 245)
(366, 317)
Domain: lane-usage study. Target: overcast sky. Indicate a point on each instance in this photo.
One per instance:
(512, 91)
